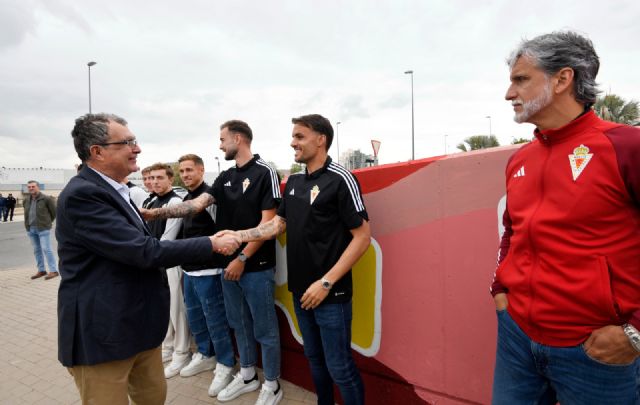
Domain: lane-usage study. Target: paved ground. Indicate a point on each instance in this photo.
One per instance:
(29, 369)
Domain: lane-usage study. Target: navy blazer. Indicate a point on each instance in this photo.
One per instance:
(113, 300)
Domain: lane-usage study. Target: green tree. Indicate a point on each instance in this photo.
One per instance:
(296, 167)
(516, 141)
(476, 142)
(614, 108)
(177, 180)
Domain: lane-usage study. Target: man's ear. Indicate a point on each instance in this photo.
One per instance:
(96, 152)
(564, 80)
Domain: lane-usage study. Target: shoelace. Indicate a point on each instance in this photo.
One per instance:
(237, 380)
(220, 375)
(264, 394)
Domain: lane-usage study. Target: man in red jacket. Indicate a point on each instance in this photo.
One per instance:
(567, 288)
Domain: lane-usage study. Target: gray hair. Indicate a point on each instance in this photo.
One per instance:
(92, 129)
(558, 50)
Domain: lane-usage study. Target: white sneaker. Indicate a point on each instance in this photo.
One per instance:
(222, 378)
(167, 355)
(174, 367)
(198, 364)
(268, 397)
(238, 387)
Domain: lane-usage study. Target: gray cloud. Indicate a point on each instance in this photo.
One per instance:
(16, 22)
(397, 100)
(352, 107)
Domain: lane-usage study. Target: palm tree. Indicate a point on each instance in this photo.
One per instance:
(476, 142)
(614, 108)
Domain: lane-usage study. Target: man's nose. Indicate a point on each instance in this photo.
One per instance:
(510, 94)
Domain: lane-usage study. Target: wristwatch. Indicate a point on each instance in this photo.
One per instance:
(242, 257)
(326, 284)
(633, 335)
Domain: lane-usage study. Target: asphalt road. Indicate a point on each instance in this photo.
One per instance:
(15, 247)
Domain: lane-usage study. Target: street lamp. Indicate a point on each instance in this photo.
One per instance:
(218, 160)
(89, 67)
(338, 139)
(488, 116)
(410, 72)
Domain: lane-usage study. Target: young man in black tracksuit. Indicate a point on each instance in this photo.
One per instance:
(175, 347)
(203, 288)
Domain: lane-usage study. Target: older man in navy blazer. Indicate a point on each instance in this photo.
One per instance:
(113, 302)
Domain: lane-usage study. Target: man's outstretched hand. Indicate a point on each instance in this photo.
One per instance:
(225, 242)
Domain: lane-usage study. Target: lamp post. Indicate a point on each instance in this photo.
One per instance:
(488, 116)
(89, 67)
(410, 72)
(218, 160)
(338, 139)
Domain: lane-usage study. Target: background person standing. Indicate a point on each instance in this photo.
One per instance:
(175, 346)
(11, 205)
(3, 208)
(39, 214)
(203, 289)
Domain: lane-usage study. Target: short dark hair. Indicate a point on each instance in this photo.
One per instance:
(92, 129)
(192, 157)
(561, 49)
(238, 127)
(317, 123)
(162, 166)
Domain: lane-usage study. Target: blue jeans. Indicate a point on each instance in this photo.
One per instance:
(207, 317)
(41, 242)
(531, 373)
(252, 315)
(326, 332)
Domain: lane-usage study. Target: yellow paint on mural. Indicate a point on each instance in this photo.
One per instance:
(367, 297)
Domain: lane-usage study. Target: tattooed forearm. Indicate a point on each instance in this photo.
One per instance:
(268, 230)
(186, 208)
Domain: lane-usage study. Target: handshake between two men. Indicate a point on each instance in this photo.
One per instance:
(226, 242)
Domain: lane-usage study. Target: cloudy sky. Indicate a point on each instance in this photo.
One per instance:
(177, 69)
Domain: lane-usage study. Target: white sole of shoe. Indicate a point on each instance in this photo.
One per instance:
(191, 373)
(246, 389)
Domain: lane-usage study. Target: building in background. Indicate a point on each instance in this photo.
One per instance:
(355, 159)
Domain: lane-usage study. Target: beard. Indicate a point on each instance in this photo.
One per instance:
(230, 154)
(300, 158)
(532, 107)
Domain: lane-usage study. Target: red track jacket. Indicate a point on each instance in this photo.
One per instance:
(570, 254)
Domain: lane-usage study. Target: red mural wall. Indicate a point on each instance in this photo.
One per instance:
(424, 321)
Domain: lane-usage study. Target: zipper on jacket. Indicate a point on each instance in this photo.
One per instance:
(532, 245)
